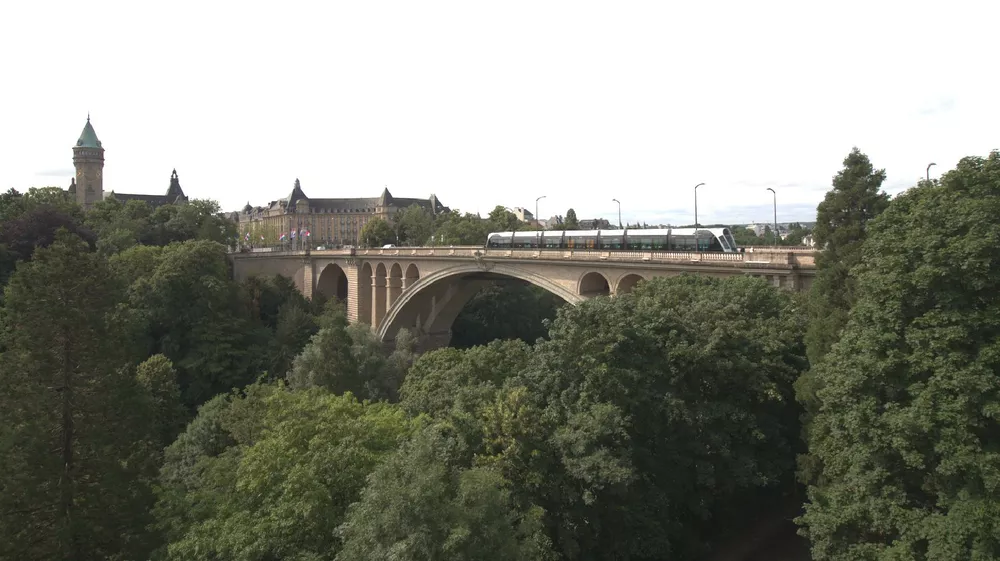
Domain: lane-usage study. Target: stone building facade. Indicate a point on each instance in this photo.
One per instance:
(87, 187)
(334, 222)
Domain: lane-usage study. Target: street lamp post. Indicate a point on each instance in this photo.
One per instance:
(619, 212)
(929, 170)
(696, 205)
(536, 210)
(773, 192)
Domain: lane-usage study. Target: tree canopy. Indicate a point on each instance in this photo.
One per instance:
(905, 437)
(376, 233)
(841, 225)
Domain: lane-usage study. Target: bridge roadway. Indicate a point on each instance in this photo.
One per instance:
(424, 288)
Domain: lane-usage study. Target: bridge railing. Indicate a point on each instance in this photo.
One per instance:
(775, 256)
(761, 255)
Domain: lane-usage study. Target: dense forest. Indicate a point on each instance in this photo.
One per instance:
(152, 408)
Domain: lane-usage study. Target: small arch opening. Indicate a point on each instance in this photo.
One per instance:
(412, 275)
(332, 283)
(594, 284)
(628, 283)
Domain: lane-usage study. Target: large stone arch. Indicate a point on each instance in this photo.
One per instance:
(332, 282)
(627, 282)
(593, 284)
(432, 303)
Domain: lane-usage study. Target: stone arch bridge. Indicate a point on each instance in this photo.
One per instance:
(425, 288)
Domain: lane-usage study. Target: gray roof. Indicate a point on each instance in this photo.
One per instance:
(174, 194)
(153, 200)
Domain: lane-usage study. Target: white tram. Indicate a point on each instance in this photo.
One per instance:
(654, 239)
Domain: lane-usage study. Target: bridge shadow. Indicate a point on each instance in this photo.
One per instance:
(506, 309)
(469, 306)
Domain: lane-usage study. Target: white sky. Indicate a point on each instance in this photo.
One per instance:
(487, 103)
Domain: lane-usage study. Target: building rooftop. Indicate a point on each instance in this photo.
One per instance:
(88, 138)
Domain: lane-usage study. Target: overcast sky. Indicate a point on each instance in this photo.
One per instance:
(487, 103)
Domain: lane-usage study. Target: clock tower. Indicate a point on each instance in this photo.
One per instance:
(88, 159)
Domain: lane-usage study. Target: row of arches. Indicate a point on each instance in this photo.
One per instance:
(596, 284)
(378, 287)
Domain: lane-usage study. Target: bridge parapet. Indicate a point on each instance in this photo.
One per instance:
(769, 257)
(761, 256)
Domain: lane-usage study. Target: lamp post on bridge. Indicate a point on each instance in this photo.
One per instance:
(536, 210)
(619, 213)
(929, 170)
(775, 197)
(696, 205)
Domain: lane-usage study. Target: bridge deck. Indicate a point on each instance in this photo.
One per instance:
(804, 259)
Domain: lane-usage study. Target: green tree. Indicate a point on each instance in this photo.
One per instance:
(414, 226)
(503, 220)
(376, 233)
(508, 310)
(119, 226)
(272, 474)
(192, 220)
(296, 326)
(158, 377)
(34, 228)
(461, 229)
(348, 358)
(327, 360)
(905, 437)
(796, 233)
(11, 205)
(570, 222)
(52, 197)
(73, 421)
(745, 237)
(448, 381)
(841, 224)
(192, 313)
(419, 505)
(662, 409)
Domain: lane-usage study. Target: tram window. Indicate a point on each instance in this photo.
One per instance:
(611, 242)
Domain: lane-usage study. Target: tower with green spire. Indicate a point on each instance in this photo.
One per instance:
(88, 159)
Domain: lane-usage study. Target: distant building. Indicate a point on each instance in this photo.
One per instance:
(523, 214)
(328, 221)
(87, 187)
(595, 224)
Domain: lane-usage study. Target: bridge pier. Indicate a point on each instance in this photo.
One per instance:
(433, 341)
(378, 299)
(393, 290)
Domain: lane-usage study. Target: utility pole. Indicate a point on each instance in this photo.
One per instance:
(696, 205)
(775, 194)
(536, 210)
